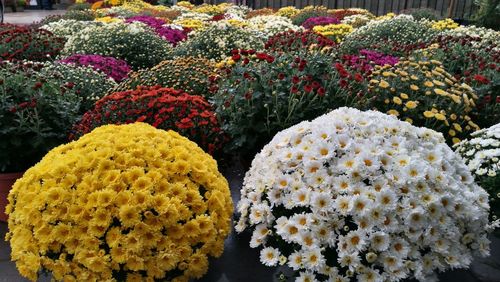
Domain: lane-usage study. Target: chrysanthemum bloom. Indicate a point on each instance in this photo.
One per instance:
(122, 202)
(363, 195)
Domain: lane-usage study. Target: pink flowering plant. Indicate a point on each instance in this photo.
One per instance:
(172, 35)
(114, 68)
(312, 22)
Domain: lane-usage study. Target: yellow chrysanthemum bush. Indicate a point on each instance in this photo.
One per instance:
(421, 92)
(124, 202)
(335, 32)
(445, 24)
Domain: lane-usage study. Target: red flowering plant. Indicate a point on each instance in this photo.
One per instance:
(289, 41)
(165, 108)
(261, 93)
(476, 63)
(27, 43)
(36, 113)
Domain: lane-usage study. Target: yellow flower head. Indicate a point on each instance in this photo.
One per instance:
(126, 186)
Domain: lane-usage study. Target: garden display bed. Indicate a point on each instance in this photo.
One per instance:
(223, 143)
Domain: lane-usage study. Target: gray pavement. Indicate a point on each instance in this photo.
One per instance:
(30, 16)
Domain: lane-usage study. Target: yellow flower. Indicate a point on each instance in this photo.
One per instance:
(397, 100)
(439, 116)
(414, 87)
(455, 140)
(428, 114)
(441, 92)
(411, 104)
(428, 83)
(384, 84)
(404, 95)
(106, 216)
(393, 112)
(409, 120)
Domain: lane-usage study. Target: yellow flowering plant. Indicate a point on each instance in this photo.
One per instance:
(422, 93)
(209, 9)
(185, 4)
(193, 24)
(288, 11)
(124, 202)
(335, 32)
(445, 24)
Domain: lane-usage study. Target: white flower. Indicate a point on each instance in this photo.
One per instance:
(295, 260)
(269, 256)
(366, 184)
(306, 276)
(313, 259)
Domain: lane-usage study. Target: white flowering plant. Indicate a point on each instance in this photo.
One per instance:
(362, 195)
(217, 41)
(89, 84)
(481, 154)
(66, 28)
(135, 43)
(391, 36)
(269, 25)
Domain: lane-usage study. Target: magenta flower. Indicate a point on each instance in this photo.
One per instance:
(172, 35)
(113, 68)
(312, 22)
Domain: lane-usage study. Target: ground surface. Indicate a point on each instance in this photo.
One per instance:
(30, 16)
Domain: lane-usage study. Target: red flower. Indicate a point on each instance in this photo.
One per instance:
(295, 79)
(308, 88)
(281, 76)
(321, 91)
(481, 79)
(236, 57)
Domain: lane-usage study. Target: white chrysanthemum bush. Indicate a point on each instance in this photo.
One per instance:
(362, 195)
(481, 154)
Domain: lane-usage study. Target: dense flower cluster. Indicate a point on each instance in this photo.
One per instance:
(114, 68)
(186, 73)
(335, 32)
(33, 107)
(481, 154)
(127, 202)
(362, 196)
(66, 28)
(25, 43)
(391, 36)
(288, 11)
(424, 94)
(475, 63)
(356, 20)
(217, 41)
(309, 12)
(87, 83)
(271, 25)
(263, 93)
(312, 22)
(164, 108)
(170, 34)
(444, 24)
(134, 43)
(341, 14)
(298, 40)
(367, 59)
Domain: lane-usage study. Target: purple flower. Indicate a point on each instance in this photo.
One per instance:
(367, 59)
(312, 22)
(171, 35)
(114, 68)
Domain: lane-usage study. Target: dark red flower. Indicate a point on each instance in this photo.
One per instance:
(481, 79)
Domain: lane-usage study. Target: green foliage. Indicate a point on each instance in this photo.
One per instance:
(488, 14)
(36, 113)
(272, 92)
